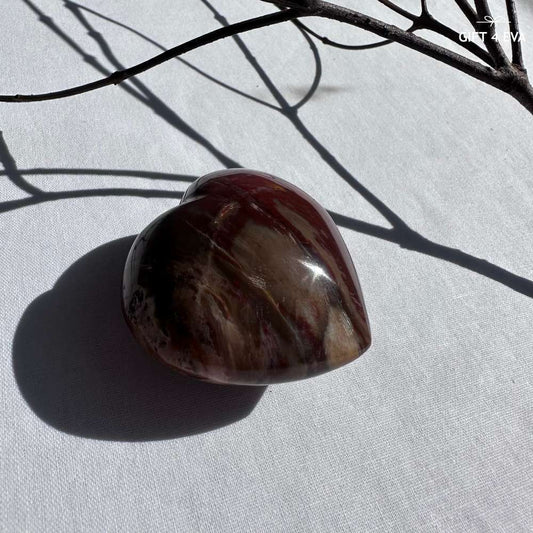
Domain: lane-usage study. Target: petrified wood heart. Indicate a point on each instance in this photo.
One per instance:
(247, 282)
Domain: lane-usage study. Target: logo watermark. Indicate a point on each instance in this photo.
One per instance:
(506, 36)
(487, 19)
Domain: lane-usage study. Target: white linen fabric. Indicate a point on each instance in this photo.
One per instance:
(428, 174)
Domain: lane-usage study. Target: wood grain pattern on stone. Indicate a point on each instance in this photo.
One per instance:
(247, 281)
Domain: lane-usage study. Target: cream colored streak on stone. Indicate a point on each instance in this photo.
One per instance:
(340, 340)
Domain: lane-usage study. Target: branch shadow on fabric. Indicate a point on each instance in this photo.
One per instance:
(80, 370)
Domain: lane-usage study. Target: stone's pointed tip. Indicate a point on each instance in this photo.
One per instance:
(247, 281)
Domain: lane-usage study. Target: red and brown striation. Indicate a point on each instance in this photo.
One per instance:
(247, 281)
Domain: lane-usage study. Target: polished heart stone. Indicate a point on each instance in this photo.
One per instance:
(247, 281)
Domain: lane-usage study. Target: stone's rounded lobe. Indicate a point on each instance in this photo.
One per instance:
(247, 281)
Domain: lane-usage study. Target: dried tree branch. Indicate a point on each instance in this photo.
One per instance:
(498, 71)
(505, 77)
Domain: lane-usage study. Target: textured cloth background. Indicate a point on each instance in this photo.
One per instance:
(429, 176)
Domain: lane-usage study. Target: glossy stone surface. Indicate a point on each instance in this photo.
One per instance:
(248, 282)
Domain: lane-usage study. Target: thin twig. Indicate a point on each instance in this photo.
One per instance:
(516, 44)
(468, 12)
(428, 22)
(335, 44)
(121, 75)
(491, 41)
(399, 10)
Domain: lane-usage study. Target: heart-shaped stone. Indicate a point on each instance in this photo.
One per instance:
(247, 281)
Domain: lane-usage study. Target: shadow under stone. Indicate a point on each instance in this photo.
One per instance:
(81, 371)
